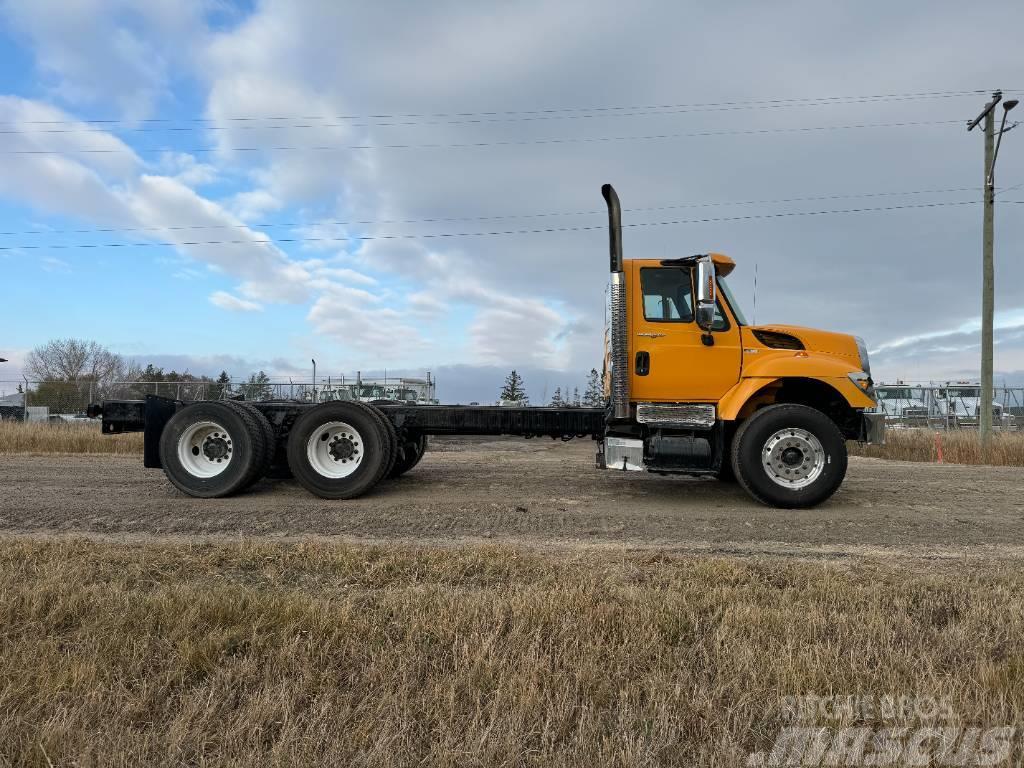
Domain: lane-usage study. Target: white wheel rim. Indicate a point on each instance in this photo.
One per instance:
(205, 449)
(335, 449)
(793, 458)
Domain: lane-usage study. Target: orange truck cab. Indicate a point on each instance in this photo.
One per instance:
(695, 389)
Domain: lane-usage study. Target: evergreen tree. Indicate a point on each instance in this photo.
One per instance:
(556, 399)
(575, 397)
(152, 373)
(594, 395)
(257, 387)
(513, 390)
(221, 388)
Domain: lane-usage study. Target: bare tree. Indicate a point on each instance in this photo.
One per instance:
(74, 360)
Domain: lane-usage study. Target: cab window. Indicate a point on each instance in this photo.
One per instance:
(668, 297)
(668, 294)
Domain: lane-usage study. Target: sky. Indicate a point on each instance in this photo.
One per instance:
(203, 184)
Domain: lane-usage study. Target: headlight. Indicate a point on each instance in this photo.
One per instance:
(863, 382)
(862, 350)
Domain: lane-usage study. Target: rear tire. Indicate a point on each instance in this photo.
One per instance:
(393, 445)
(789, 456)
(267, 431)
(211, 449)
(411, 453)
(338, 450)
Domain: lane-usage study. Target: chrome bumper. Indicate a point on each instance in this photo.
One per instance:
(872, 428)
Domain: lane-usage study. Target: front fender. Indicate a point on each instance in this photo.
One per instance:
(778, 364)
(773, 370)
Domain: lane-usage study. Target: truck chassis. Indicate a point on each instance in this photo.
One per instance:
(273, 438)
(779, 431)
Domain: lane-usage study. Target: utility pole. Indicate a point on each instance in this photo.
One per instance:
(988, 260)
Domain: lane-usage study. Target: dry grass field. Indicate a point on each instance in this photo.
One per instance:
(958, 447)
(34, 437)
(327, 654)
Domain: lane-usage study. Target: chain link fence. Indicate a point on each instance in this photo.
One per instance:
(68, 401)
(948, 406)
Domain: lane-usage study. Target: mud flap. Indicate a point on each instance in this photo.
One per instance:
(158, 411)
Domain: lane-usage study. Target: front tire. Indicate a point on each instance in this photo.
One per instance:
(789, 456)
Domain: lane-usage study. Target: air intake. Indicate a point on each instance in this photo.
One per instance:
(776, 340)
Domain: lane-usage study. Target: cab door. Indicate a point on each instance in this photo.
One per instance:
(671, 361)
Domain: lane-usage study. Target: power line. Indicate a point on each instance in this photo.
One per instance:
(710, 106)
(471, 144)
(281, 121)
(446, 235)
(494, 217)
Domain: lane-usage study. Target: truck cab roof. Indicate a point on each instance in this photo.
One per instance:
(723, 264)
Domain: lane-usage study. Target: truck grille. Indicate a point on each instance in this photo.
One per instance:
(679, 415)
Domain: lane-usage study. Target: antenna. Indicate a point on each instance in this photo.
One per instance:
(754, 319)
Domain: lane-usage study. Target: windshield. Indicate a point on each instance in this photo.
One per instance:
(965, 392)
(737, 312)
(896, 394)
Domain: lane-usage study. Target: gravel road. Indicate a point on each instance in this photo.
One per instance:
(541, 493)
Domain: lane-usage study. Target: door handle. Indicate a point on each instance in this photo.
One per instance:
(650, 334)
(643, 363)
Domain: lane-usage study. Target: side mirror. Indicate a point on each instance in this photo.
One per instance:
(706, 297)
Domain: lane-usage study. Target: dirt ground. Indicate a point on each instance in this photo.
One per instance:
(537, 493)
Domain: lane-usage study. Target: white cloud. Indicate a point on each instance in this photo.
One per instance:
(254, 204)
(226, 244)
(1007, 319)
(226, 301)
(51, 264)
(426, 305)
(110, 52)
(359, 321)
(342, 274)
(67, 182)
(185, 168)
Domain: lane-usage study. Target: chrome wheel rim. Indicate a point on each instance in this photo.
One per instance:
(335, 450)
(793, 458)
(205, 449)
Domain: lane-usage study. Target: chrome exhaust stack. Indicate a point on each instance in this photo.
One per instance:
(617, 308)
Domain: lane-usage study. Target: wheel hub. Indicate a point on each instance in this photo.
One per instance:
(216, 447)
(335, 450)
(205, 449)
(342, 448)
(793, 458)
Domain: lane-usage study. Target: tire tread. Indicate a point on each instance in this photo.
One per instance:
(758, 418)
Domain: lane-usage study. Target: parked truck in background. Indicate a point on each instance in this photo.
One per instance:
(958, 403)
(691, 389)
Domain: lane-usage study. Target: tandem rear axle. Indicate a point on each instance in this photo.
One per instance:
(336, 450)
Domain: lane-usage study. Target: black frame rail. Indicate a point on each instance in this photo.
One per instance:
(152, 414)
